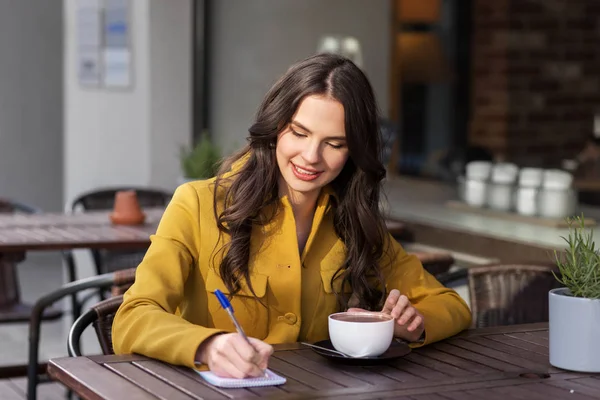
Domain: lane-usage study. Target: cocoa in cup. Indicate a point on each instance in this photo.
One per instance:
(361, 334)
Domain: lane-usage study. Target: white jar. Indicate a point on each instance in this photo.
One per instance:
(526, 200)
(474, 192)
(500, 196)
(556, 203)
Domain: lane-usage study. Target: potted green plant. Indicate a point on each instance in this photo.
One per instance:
(201, 161)
(574, 310)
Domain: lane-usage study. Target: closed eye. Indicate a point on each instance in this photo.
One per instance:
(333, 145)
(298, 134)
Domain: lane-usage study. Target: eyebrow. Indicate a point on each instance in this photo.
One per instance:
(304, 128)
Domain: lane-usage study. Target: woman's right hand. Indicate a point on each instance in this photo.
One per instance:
(229, 355)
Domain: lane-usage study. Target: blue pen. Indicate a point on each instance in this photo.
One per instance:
(228, 307)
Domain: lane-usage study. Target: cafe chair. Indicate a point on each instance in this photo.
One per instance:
(507, 294)
(112, 260)
(11, 206)
(103, 199)
(117, 282)
(101, 316)
(10, 295)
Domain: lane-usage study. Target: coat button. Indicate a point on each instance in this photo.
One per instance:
(288, 318)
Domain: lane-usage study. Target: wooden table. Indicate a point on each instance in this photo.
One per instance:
(20, 233)
(491, 363)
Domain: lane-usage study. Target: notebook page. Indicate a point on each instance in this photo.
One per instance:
(272, 379)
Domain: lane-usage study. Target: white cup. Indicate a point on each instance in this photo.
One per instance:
(361, 334)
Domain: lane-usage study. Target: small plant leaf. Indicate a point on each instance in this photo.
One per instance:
(580, 265)
(201, 161)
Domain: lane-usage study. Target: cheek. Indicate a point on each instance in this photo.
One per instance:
(337, 161)
(285, 148)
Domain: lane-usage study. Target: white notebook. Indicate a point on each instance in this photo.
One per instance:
(272, 379)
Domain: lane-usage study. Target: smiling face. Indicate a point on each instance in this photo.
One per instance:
(311, 151)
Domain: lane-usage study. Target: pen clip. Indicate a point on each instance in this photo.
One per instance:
(223, 300)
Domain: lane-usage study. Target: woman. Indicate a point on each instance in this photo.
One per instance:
(291, 230)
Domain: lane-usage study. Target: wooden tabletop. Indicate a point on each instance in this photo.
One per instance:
(58, 231)
(90, 229)
(493, 363)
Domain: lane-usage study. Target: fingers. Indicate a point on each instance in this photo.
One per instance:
(232, 356)
(245, 357)
(405, 315)
(223, 367)
(245, 350)
(402, 304)
(416, 323)
(263, 352)
(391, 301)
(411, 319)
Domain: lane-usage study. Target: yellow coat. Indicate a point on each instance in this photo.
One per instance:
(171, 307)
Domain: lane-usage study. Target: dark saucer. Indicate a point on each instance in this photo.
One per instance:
(396, 350)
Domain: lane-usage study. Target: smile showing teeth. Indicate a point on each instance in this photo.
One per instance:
(303, 171)
(305, 175)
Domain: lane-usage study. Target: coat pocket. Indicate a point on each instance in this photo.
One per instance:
(251, 311)
(334, 292)
(336, 286)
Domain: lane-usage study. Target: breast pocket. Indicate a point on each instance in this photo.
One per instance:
(251, 311)
(333, 289)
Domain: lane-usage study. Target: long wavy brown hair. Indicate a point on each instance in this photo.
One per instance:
(243, 197)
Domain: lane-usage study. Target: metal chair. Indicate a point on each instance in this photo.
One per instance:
(119, 281)
(103, 199)
(113, 260)
(9, 293)
(11, 206)
(10, 296)
(101, 316)
(507, 294)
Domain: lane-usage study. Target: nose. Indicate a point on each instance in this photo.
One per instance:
(312, 152)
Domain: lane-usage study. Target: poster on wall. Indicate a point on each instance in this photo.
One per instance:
(104, 46)
(88, 27)
(117, 54)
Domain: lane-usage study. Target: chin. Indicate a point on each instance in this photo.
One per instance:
(303, 187)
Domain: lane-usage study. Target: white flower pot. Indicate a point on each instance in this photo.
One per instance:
(574, 332)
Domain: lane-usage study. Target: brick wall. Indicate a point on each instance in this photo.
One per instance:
(536, 77)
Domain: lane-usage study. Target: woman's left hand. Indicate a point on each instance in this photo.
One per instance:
(410, 323)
